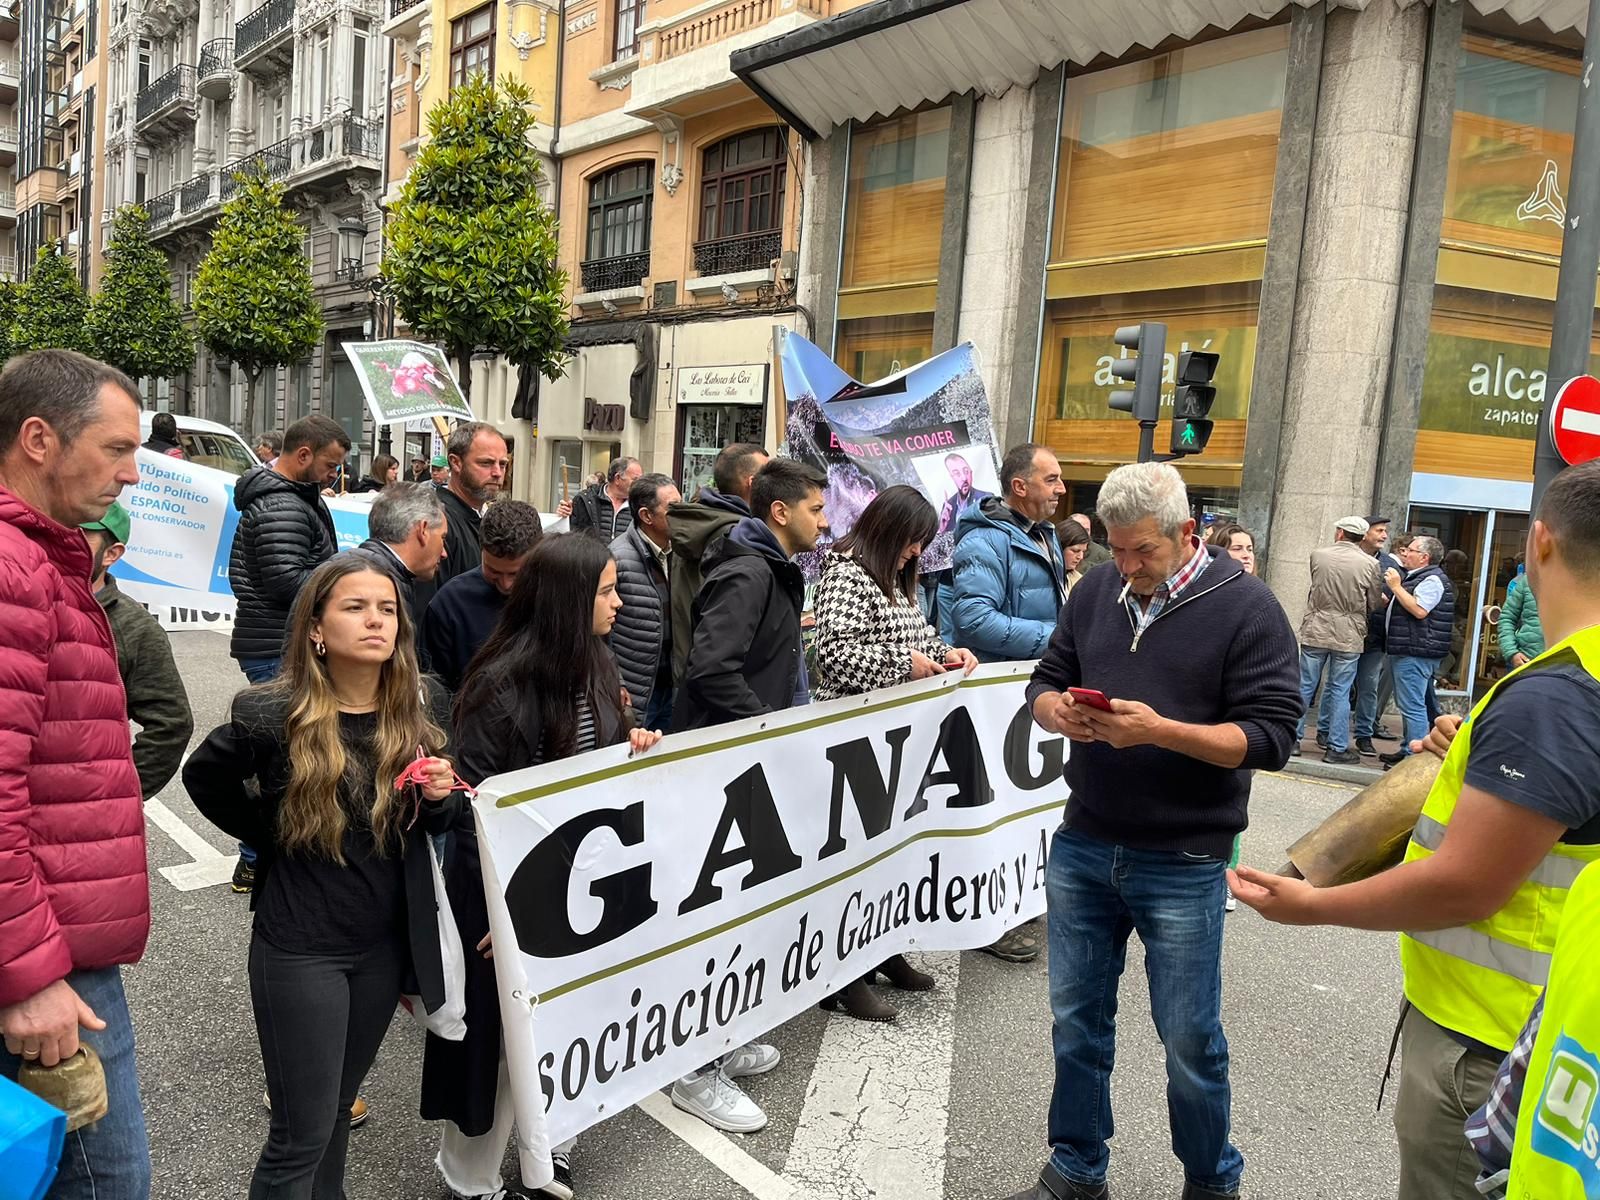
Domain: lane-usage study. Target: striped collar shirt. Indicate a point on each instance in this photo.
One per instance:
(1169, 592)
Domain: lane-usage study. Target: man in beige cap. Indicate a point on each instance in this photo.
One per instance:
(1345, 587)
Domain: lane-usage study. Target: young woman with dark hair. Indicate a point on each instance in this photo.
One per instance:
(385, 470)
(345, 913)
(871, 634)
(1074, 545)
(543, 688)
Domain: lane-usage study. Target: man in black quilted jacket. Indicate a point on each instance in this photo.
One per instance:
(285, 532)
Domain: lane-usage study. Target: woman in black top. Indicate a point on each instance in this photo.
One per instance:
(345, 914)
(385, 470)
(543, 688)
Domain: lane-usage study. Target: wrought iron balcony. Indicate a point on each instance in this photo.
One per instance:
(749, 252)
(162, 208)
(197, 193)
(216, 69)
(8, 266)
(262, 30)
(608, 274)
(167, 101)
(276, 160)
(362, 139)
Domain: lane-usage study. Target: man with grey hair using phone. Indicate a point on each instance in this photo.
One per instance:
(1175, 676)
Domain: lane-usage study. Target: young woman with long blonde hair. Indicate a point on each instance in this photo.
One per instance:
(307, 770)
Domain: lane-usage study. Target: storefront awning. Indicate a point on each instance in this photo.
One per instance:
(894, 54)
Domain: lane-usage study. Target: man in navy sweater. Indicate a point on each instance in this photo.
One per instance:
(465, 611)
(1201, 669)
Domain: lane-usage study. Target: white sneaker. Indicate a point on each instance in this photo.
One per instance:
(719, 1102)
(1230, 903)
(753, 1058)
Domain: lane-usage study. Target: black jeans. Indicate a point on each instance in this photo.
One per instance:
(321, 1019)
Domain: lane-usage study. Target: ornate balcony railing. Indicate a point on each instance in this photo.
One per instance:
(607, 274)
(8, 266)
(162, 208)
(175, 87)
(751, 252)
(362, 138)
(396, 7)
(216, 57)
(196, 193)
(276, 160)
(8, 200)
(725, 22)
(262, 24)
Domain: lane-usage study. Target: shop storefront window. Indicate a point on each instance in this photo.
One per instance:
(704, 429)
(894, 218)
(573, 462)
(1135, 240)
(1484, 384)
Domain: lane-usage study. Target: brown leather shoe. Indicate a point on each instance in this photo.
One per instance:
(903, 975)
(358, 1113)
(861, 1002)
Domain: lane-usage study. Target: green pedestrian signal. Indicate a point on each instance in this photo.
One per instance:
(1192, 401)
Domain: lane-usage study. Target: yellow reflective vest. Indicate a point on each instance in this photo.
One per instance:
(1481, 980)
(1554, 1157)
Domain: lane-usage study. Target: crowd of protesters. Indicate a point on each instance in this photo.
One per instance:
(462, 640)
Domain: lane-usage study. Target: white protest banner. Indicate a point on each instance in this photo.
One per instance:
(652, 913)
(182, 521)
(405, 381)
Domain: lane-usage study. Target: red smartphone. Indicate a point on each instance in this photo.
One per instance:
(1090, 698)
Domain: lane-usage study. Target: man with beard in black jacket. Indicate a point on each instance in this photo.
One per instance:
(285, 532)
(478, 461)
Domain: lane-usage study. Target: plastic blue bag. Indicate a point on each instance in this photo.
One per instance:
(31, 1134)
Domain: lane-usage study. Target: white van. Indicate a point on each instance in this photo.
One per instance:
(208, 443)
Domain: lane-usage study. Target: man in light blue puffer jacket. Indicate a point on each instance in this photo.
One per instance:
(1008, 583)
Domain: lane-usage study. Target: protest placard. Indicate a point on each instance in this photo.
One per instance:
(406, 381)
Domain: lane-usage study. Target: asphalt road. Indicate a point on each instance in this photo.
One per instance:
(962, 1080)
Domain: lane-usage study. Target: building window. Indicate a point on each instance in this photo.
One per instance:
(358, 69)
(704, 429)
(472, 46)
(893, 219)
(617, 248)
(1134, 241)
(1484, 385)
(741, 201)
(630, 15)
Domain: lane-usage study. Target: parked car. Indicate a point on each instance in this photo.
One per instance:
(209, 444)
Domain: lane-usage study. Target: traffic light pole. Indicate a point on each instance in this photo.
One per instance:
(1147, 441)
(1572, 333)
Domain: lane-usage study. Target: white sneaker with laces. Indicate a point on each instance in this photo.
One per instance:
(719, 1102)
(753, 1058)
(1230, 903)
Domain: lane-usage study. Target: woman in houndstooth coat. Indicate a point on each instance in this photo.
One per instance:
(871, 634)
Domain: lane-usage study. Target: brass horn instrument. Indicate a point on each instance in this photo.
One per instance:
(1368, 834)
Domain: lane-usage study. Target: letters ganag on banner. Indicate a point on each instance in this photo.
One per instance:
(652, 913)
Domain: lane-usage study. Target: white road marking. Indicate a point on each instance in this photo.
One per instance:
(1580, 421)
(210, 866)
(877, 1112)
(756, 1178)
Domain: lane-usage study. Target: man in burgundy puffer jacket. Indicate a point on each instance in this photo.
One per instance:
(74, 897)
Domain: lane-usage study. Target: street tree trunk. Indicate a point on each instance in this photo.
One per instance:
(463, 357)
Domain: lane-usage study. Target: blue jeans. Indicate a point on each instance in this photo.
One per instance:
(1372, 676)
(1340, 667)
(1413, 680)
(257, 670)
(1098, 894)
(109, 1160)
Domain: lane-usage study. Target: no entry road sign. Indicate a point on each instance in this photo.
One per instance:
(1575, 420)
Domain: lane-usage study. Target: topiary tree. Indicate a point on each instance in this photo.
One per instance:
(254, 304)
(471, 248)
(134, 324)
(51, 307)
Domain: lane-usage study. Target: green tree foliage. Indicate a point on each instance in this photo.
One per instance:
(134, 324)
(254, 304)
(51, 308)
(471, 254)
(8, 316)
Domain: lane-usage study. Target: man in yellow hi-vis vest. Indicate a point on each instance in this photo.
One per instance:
(1511, 821)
